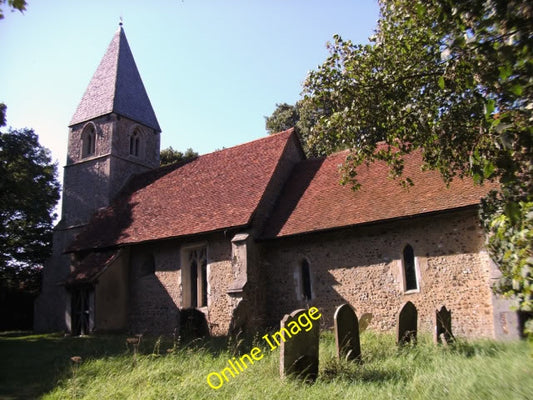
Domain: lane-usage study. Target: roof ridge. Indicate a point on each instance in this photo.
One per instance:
(115, 84)
(140, 180)
(287, 132)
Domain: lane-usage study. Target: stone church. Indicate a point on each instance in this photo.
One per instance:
(247, 234)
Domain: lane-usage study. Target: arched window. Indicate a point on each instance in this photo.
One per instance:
(135, 143)
(194, 277)
(88, 139)
(409, 268)
(305, 273)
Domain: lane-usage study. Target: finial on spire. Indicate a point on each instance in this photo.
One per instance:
(121, 21)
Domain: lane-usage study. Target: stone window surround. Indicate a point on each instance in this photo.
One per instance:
(186, 284)
(88, 140)
(402, 271)
(299, 279)
(305, 292)
(136, 141)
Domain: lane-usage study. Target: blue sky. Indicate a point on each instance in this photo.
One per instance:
(213, 69)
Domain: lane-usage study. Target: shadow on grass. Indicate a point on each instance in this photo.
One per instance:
(216, 345)
(335, 370)
(33, 364)
(485, 348)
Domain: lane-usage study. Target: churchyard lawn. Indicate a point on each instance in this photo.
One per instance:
(105, 367)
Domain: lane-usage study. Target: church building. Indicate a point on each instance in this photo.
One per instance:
(244, 235)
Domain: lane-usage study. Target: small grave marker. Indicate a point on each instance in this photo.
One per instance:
(407, 324)
(347, 333)
(443, 326)
(299, 354)
(364, 321)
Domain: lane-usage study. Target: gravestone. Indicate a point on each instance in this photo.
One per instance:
(407, 324)
(364, 321)
(193, 324)
(443, 326)
(347, 333)
(299, 354)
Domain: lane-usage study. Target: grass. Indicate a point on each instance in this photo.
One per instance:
(39, 366)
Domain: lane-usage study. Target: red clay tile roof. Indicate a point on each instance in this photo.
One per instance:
(313, 199)
(90, 268)
(212, 192)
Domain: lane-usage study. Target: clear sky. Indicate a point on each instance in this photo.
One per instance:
(213, 69)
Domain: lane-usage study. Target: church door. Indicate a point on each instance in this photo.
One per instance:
(82, 310)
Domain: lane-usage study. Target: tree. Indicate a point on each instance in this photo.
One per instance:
(302, 119)
(29, 192)
(453, 79)
(3, 110)
(19, 5)
(284, 117)
(171, 156)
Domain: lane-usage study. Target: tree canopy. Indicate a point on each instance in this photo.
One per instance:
(284, 117)
(19, 5)
(302, 119)
(452, 79)
(29, 192)
(449, 77)
(171, 156)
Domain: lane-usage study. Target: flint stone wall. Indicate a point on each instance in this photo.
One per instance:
(155, 299)
(362, 266)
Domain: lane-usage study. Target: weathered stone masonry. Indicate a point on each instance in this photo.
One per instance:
(362, 266)
(157, 297)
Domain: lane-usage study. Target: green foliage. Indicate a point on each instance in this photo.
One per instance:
(284, 117)
(511, 242)
(16, 279)
(19, 5)
(29, 192)
(302, 119)
(451, 78)
(171, 156)
(3, 109)
(479, 369)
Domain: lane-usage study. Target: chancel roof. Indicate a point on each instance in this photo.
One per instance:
(313, 199)
(117, 87)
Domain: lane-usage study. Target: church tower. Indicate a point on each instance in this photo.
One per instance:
(113, 135)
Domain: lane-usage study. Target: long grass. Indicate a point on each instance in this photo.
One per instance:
(40, 367)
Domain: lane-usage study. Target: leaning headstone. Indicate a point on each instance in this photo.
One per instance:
(364, 321)
(299, 354)
(407, 324)
(347, 333)
(443, 326)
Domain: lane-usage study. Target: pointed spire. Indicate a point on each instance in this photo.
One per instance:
(117, 87)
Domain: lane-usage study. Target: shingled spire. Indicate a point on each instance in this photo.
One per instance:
(116, 87)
